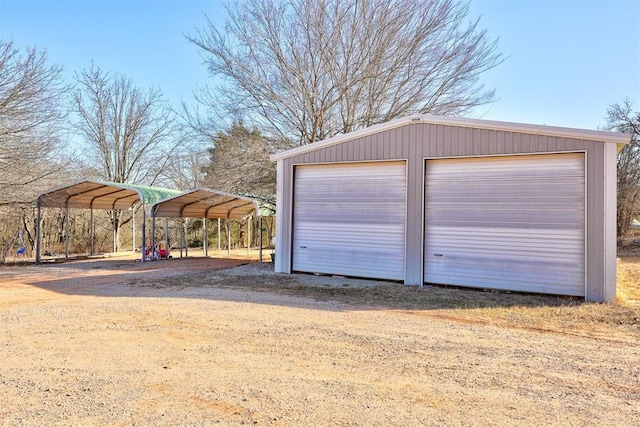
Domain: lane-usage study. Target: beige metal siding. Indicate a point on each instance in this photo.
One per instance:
(349, 219)
(283, 218)
(419, 141)
(596, 228)
(609, 235)
(506, 222)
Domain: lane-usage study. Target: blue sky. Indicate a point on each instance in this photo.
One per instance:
(566, 60)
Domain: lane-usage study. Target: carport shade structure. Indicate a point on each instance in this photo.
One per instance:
(205, 204)
(89, 194)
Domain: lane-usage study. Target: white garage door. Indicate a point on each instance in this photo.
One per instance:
(349, 219)
(512, 223)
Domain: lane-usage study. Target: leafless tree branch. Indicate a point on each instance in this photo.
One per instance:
(305, 70)
(622, 118)
(129, 133)
(31, 122)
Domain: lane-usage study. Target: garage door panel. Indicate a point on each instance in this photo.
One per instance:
(547, 242)
(324, 252)
(349, 235)
(524, 234)
(482, 186)
(349, 219)
(348, 213)
(520, 217)
(470, 269)
(522, 275)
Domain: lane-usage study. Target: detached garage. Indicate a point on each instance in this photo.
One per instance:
(454, 201)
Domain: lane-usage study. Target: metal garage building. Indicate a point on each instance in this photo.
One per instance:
(477, 203)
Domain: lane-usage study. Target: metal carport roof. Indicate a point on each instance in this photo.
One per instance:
(89, 194)
(207, 203)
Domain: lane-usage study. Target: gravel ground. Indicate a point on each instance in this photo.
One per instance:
(174, 343)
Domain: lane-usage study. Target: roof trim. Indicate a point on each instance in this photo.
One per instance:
(591, 135)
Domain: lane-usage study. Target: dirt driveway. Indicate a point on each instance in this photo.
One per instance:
(177, 343)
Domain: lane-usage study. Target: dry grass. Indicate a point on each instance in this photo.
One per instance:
(572, 316)
(620, 318)
(629, 280)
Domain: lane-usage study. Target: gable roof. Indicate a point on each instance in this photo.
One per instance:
(591, 135)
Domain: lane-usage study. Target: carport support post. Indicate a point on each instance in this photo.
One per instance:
(133, 228)
(144, 231)
(205, 237)
(166, 234)
(249, 234)
(66, 231)
(218, 234)
(186, 238)
(260, 234)
(153, 237)
(91, 230)
(113, 225)
(181, 238)
(228, 237)
(38, 231)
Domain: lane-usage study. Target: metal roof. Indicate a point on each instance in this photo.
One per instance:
(592, 135)
(206, 203)
(102, 195)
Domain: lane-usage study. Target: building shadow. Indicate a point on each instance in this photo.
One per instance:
(217, 279)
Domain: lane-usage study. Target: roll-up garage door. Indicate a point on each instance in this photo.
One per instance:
(512, 223)
(349, 219)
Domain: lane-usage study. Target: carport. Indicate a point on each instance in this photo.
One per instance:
(89, 194)
(206, 204)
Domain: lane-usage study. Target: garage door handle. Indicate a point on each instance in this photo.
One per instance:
(303, 247)
(438, 255)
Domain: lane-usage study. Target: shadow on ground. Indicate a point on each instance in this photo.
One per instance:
(199, 277)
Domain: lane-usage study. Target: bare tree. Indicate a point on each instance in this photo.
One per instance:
(186, 170)
(129, 133)
(309, 69)
(622, 118)
(239, 163)
(31, 118)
